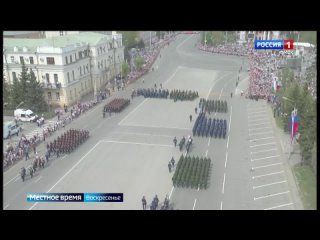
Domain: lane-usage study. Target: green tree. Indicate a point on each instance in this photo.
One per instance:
(6, 93)
(23, 77)
(35, 94)
(125, 69)
(130, 38)
(139, 61)
(308, 36)
(140, 44)
(16, 94)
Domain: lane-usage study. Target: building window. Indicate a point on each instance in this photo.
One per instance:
(80, 54)
(71, 58)
(14, 75)
(58, 96)
(81, 87)
(55, 78)
(66, 58)
(72, 75)
(12, 59)
(49, 96)
(50, 60)
(68, 76)
(80, 71)
(87, 67)
(84, 69)
(105, 63)
(70, 94)
(75, 56)
(21, 60)
(47, 77)
(85, 85)
(31, 60)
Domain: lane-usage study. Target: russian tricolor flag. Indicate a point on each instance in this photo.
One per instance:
(293, 124)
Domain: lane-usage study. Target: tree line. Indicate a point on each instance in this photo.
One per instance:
(24, 89)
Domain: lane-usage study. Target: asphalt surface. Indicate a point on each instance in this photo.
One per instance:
(129, 152)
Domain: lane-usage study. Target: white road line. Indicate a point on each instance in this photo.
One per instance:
(171, 76)
(120, 123)
(153, 126)
(270, 195)
(225, 163)
(267, 165)
(206, 153)
(224, 180)
(221, 205)
(10, 180)
(38, 179)
(257, 124)
(252, 129)
(258, 145)
(171, 192)
(272, 149)
(220, 93)
(257, 159)
(68, 171)
(269, 174)
(228, 142)
(209, 141)
(283, 205)
(194, 204)
(257, 139)
(6, 207)
(255, 120)
(223, 76)
(230, 119)
(260, 133)
(144, 134)
(269, 184)
(137, 143)
(16, 180)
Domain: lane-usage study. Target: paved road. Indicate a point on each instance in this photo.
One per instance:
(128, 152)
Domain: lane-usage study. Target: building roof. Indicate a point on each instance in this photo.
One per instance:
(90, 38)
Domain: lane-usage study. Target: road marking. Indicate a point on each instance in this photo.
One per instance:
(269, 184)
(171, 76)
(283, 205)
(230, 119)
(272, 143)
(224, 180)
(260, 133)
(257, 159)
(257, 139)
(228, 142)
(38, 179)
(272, 149)
(16, 180)
(136, 108)
(152, 126)
(144, 134)
(225, 163)
(194, 204)
(171, 192)
(220, 93)
(206, 153)
(209, 142)
(6, 207)
(68, 171)
(270, 195)
(269, 174)
(221, 205)
(252, 129)
(256, 120)
(137, 143)
(11, 180)
(267, 165)
(257, 124)
(223, 76)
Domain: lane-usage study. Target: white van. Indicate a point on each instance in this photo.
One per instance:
(9, 129)
(25, 115)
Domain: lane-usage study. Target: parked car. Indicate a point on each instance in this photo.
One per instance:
(25, 115)
(10, 128)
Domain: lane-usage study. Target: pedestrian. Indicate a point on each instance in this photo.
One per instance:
(47, 156)
(190, 117)
(144, 203)
(172, 161)
(27, 153)
(34, 148)
(196, 110)
(169, 166)
(160, 85)
(175, 141)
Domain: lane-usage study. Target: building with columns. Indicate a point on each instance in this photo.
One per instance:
(68, 66)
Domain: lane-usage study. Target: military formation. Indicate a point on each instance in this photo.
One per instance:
(183, 95)
(209, 127)
(68, 141)
(116, 105)
(153, 93)
(213, 105)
